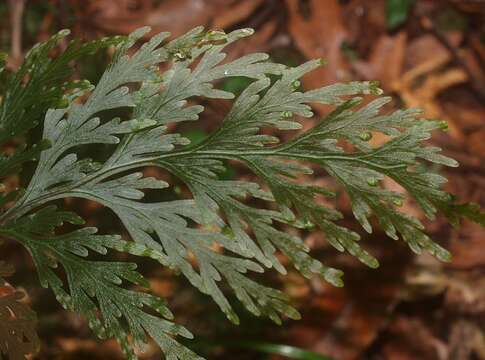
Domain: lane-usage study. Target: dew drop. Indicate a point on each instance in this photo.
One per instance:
(308, 225)
(64, 32)
(322, 62)
(372, 182)
(63, 103)
(215, 35)
(296, 84)
(247, 31)
(398, 202)
(443, 125)
(179, 56)
(374, 88)
(365, 136)
(287, 114)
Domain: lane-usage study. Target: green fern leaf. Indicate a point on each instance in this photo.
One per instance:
(98, 286)
(229, 235)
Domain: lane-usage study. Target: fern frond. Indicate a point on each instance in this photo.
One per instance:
(41, 82)
(98, 287)
(219, 236)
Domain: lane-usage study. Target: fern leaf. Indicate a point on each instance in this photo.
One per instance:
(40, 83)
(99, 286)
(220, 236)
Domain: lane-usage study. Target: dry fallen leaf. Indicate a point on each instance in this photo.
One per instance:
(386, 60)
(411, 339)
(343, 322)
(318, 31)
(235, 14)
(420, 86)
(466, 246)
(124, 16)
(18, 336)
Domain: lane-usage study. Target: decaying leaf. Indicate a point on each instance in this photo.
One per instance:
(318, 31)
(18, 337)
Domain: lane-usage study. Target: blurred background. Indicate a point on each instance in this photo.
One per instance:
(426, 54)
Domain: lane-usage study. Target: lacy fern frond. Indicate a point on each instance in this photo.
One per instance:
(220, 227)
(95, 287)
(40, 83)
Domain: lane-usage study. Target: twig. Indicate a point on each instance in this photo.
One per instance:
(16, 12)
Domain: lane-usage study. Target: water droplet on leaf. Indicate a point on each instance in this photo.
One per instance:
(322, 61)
(179, 56)
(372, 182)
(365, 136)
(308, 225)
(443, 125)
(247, 31)
(398, 202)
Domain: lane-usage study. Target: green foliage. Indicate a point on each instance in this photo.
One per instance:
(94, 287)
(39, 84)
(287, 351)
(229, 237)
(397, 12)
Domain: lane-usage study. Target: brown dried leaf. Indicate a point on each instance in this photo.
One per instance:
(467, 248)
(76, 348)
(476, 142)
(386, 60)
(176, 16)
(6, 270)
(478, 46)
(411, 339)
(466, 338)
(471, 6)
(318, 31)
(420, 86)
(18, 337)
(235, 14)
(344, 322)
(426, 53)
